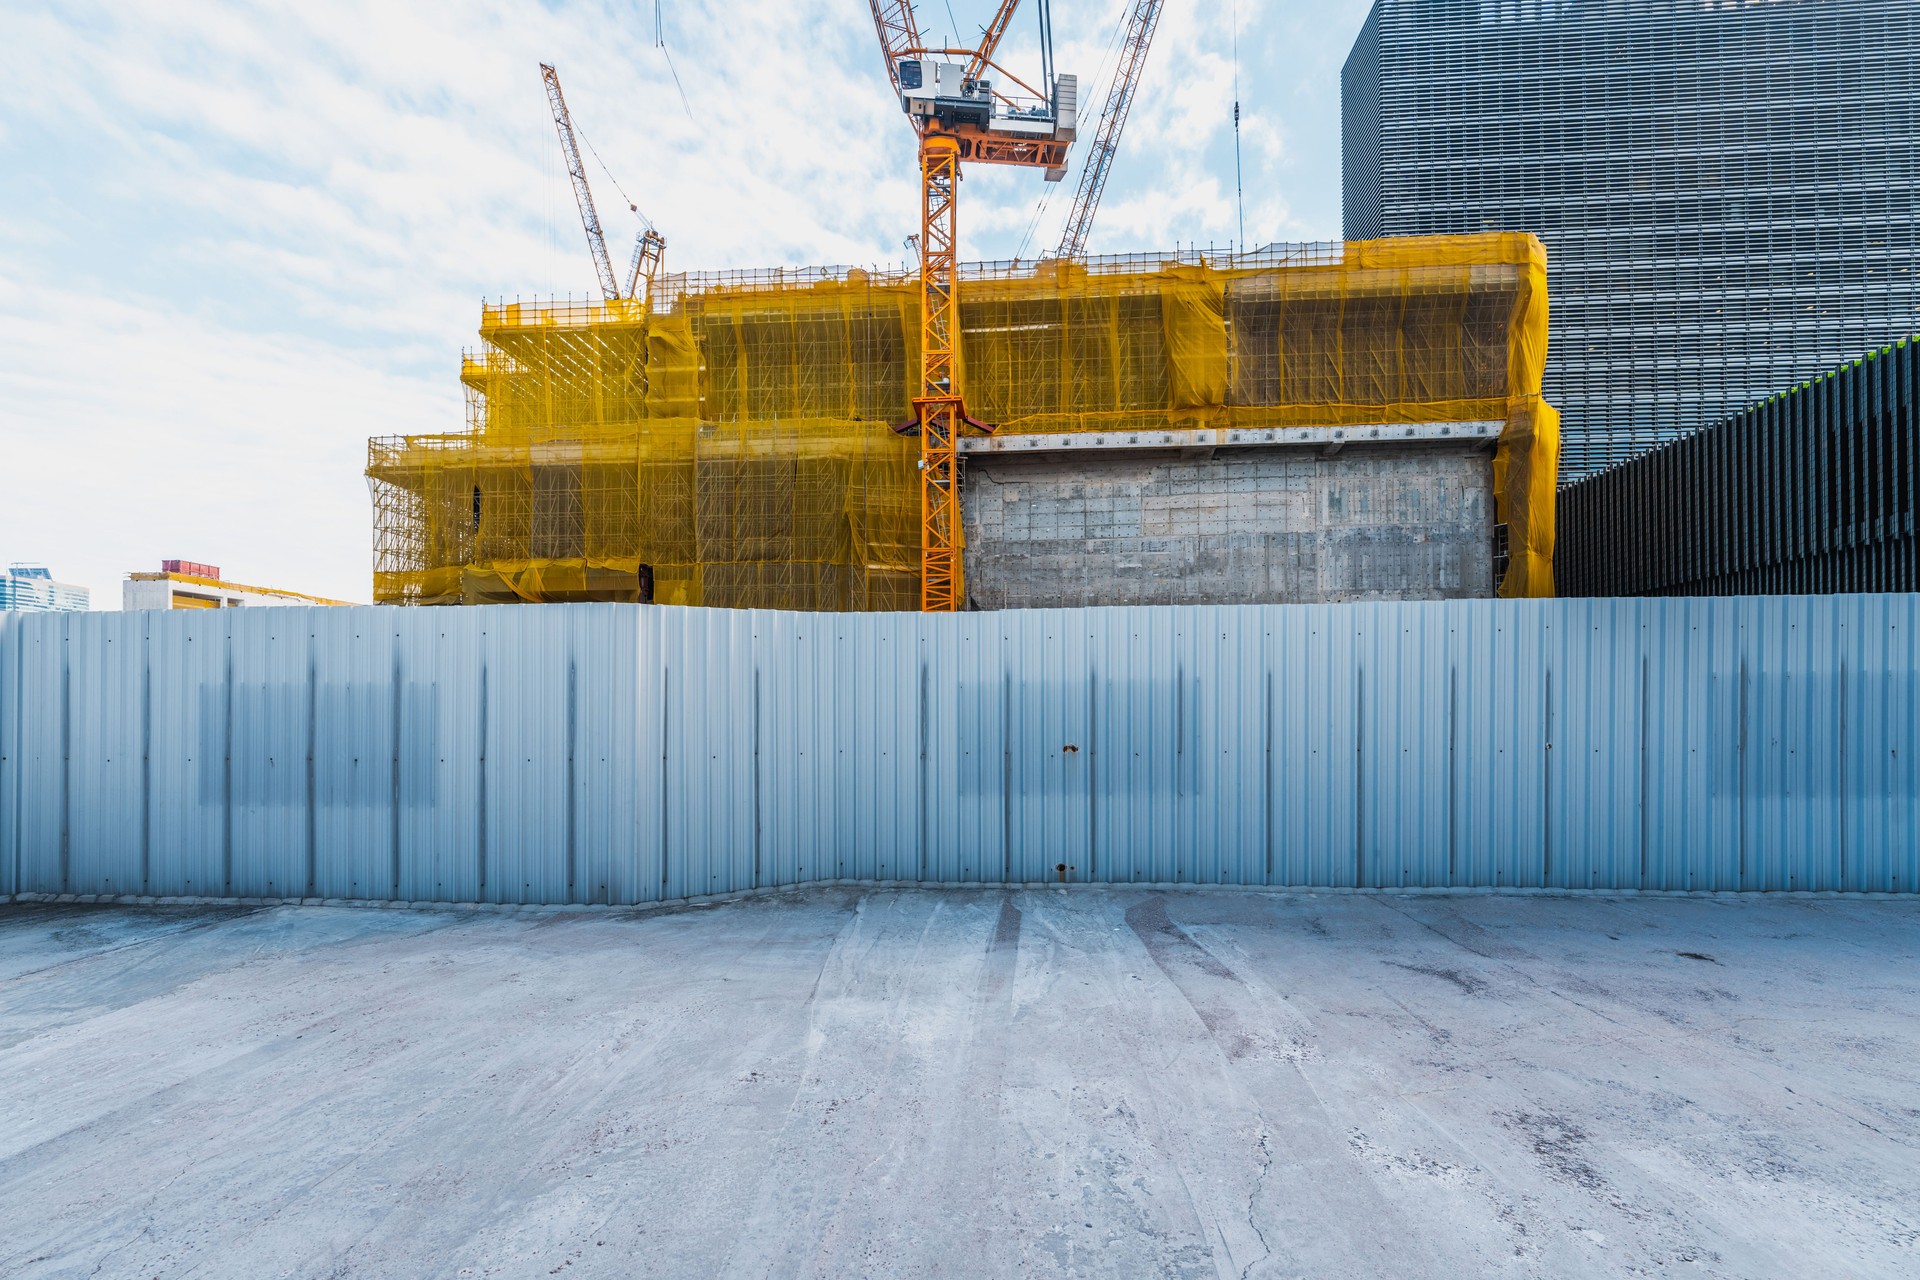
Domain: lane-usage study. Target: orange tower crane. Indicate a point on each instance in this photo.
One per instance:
(647, 250)
(960, 116)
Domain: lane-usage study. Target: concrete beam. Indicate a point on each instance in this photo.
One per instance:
(1201, 441)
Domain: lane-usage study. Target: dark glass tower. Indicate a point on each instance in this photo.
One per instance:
(1726, 190)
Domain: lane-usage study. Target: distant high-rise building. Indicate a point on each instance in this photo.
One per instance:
(30, 588)
(1727, 191)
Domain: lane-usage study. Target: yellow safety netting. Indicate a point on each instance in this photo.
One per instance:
(738, 444)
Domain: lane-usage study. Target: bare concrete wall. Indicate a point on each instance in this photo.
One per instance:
(1246, 526)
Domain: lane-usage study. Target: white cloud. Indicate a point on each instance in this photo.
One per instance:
(246, 235)
(161, 433)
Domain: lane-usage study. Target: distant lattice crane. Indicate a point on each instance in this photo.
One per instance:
(1113, 117)
(582, 193)
(960, 116)
(647, 253)
(648, 250)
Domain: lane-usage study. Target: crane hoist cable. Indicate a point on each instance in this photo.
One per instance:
(1103, 75)
(1239, 184)
(660, 43)
(625, 198)
(1141, 23)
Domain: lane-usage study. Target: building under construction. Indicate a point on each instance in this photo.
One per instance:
(1317, 422)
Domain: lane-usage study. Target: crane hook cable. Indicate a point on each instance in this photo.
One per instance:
(581, 134)
(1104, 71)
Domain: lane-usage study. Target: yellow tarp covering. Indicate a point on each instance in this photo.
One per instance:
(738, 446)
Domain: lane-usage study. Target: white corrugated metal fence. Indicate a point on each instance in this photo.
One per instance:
(624, 754)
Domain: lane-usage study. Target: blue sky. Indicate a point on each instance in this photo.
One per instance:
(241, 238)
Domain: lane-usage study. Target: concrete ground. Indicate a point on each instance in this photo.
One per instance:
(843, 1082)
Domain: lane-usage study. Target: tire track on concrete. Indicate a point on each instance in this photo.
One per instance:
(230, 1102)
(155, 939)
(471, 1120)
(886, 1045)
(1543, 1162)
(1094, 1109)
(1385, 1099)
(970, 1144)
(1310, 1208)
(593, 1118)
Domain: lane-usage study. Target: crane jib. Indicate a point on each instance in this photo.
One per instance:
(1141, 22)
(647, 251)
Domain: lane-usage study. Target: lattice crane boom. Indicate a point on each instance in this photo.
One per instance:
(1141, 23)
(990, 38)
(648, 249)
(582, 193)
(899, 33)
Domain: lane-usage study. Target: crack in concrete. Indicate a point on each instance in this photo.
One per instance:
(1266, 1165)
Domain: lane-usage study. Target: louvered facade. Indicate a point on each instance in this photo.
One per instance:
(1726, 191)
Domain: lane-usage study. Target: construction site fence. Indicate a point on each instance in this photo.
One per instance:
(628, 754)
(740, 442)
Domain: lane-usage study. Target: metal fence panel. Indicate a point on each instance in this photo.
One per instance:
(620, 754)
(268, 713)
(40, 823)
(10, 729)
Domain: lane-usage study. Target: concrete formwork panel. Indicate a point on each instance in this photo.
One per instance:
(1239, 527)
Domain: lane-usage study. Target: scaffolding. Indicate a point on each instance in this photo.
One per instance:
(737, 440)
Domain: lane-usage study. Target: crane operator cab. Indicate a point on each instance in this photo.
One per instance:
(943, 92)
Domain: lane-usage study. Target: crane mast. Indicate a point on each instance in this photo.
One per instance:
(959, 116)
(582, 194)
(1113, 117)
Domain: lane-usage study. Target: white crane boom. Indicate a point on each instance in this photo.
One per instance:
(582, 194)
(1113, 117)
